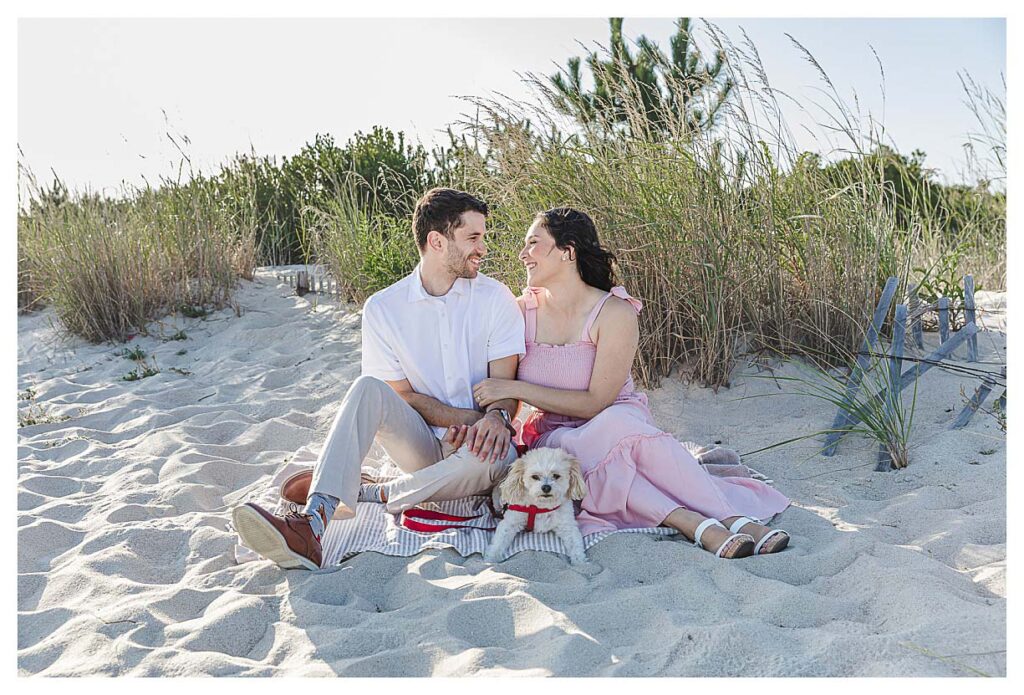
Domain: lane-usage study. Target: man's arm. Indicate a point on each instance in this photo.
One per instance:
(432, 410)
(485, 438)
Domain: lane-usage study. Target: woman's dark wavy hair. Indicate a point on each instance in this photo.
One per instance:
(571, 227)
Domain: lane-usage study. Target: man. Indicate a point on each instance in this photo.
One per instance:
(425, 341)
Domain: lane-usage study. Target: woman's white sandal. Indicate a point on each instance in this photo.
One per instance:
(743, 521)
(708, 523)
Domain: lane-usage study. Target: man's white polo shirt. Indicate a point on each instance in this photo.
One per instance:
(440, 344)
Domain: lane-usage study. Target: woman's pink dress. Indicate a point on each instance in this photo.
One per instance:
(636, 474)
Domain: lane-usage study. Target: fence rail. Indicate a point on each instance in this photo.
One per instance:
(305, 282)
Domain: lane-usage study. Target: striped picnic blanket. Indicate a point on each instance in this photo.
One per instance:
(374, 529)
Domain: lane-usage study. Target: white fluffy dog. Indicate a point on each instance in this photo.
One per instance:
(538, 492)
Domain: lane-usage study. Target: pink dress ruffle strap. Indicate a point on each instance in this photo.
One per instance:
(614, 292)
(530, 314)
(530, 296)
(620, 292)
(636, 474)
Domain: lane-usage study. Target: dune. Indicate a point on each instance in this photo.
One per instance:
(126, 561)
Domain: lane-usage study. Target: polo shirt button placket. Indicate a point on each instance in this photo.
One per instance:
(445, 328)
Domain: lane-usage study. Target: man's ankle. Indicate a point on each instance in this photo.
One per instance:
(320, 508)
(372, 492)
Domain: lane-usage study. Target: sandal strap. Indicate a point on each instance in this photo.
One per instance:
(770, 534)
(701, 528)
(740, 523)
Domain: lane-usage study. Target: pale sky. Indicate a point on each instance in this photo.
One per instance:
(92, 92)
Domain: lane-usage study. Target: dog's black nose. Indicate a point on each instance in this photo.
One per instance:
(545, 488)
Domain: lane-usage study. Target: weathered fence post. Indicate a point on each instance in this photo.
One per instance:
(972, 342)
(943, 319)
(899, 332)
(980, 394)
(853, 385)
(894, 401)
(301, 283)
(915, 322)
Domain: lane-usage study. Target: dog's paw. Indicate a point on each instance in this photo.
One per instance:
(492, 558)
(578, 560)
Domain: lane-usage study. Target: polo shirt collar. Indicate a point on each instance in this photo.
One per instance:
(417, 293)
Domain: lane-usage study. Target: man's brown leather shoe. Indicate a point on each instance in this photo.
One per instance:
(296, 488)
(287, 540)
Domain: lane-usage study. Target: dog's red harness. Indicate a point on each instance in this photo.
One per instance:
(531, 510)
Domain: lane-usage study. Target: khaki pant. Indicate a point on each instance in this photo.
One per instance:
(372, 410)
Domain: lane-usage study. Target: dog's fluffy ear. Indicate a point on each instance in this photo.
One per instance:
(513, 488)
(577, 486)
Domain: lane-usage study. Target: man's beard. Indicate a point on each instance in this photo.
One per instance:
(460, 266)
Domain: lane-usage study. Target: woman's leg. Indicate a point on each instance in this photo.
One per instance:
(686, 522)
(647, 503)
(670, 467)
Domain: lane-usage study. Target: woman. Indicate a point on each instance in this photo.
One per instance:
(581, 337)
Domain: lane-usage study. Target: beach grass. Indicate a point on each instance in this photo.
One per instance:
(109, 266)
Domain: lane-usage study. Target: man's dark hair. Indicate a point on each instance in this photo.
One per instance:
(440, 209)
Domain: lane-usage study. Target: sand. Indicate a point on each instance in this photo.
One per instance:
(125, 562)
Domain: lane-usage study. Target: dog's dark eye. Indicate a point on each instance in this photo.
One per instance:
(535, 477)
(555, 476)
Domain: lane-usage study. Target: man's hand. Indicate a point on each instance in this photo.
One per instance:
(455, 436)
(488, 438)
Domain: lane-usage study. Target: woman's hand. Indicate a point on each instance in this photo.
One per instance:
(492, 390)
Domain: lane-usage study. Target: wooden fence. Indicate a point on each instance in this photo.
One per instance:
(889, 396)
